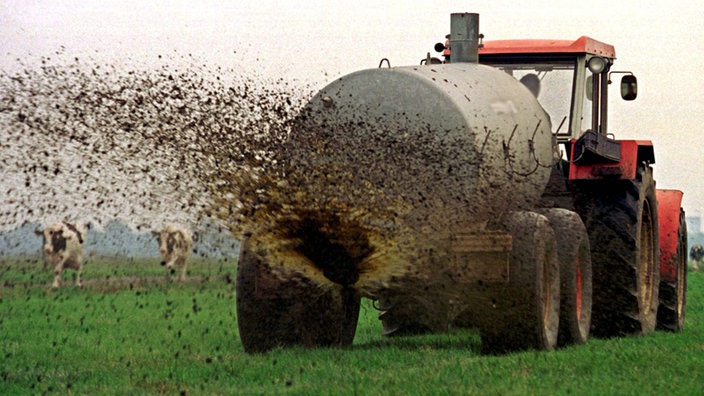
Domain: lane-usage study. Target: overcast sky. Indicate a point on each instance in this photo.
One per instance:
(320, 40)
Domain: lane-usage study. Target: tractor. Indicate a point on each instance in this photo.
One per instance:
(480, 190)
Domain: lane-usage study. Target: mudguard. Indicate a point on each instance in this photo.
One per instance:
(669, 204)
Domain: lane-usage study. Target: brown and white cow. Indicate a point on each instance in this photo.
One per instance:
(63, 249)
(175, 245)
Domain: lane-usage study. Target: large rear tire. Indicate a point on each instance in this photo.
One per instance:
(673, 295)
(621, 219)
(307, 316)
(525, 314)
(575, 275)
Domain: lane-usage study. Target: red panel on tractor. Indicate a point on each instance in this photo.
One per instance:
(631, 150)
(583, 44)
(669, 202)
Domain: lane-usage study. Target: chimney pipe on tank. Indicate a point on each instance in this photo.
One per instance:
(464, 37)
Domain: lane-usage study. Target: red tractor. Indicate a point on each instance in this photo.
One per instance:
(637, 233)
(524, 217)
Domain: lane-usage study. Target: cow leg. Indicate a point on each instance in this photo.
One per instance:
(79, 283)
(170, 271)
(57, 276)
(182, 277)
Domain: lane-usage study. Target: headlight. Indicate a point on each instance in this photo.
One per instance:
(597, 64)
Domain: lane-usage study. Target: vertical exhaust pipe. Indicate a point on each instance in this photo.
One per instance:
(464, 37)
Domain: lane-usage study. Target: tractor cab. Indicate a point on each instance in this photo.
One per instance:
(569, 78)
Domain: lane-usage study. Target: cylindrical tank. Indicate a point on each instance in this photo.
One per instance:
(460, 144)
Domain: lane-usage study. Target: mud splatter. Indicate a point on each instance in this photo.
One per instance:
(90, 142)
(366, 198)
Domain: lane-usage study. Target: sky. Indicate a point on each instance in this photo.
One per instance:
(317, 41)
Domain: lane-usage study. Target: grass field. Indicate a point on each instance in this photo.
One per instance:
(128, 331)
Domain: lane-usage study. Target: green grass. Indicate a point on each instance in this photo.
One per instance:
(108, 272)
(147, 336)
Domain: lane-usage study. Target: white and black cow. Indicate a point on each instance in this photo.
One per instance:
(175, 245)
(63, 249)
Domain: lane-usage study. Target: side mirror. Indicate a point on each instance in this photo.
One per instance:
(629, 87)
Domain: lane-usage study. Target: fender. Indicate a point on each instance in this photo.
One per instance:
(669, 209)
(633, 152)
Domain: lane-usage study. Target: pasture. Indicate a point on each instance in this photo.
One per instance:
(130, 331)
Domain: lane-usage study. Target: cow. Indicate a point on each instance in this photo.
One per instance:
(175, 245)
(63, 249)
(696, 253)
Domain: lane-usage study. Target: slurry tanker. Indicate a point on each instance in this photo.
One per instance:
(481, 188)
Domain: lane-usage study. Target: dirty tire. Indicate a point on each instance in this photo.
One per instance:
(307, 316)
(621, 219)
(526, 312)
(673, 295)
(575, 275)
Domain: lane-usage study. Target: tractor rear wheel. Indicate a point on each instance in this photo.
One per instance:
(673, 300)
(621, 219)
(308, 315)
(575, 275)
(525, 314)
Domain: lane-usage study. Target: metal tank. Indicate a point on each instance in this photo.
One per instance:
(399, 162)
(467, 135)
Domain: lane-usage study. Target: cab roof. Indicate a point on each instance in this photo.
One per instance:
(582, 45)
